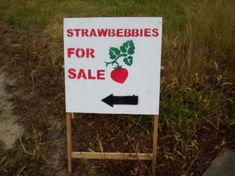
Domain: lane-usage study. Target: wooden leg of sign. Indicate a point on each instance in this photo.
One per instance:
(69, 140)
(72, 114)
(155, 136)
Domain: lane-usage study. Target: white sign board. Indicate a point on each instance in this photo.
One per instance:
(112, 65)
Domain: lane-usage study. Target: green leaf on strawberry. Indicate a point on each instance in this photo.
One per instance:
(114, 52)
(128, 47)
(128, 60)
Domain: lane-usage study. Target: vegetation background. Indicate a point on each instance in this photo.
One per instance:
(197, 118)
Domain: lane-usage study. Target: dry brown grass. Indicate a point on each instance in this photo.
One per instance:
(197, 94)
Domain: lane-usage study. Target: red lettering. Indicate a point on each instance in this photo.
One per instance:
(111, 32)
(127, 32)
(141, 32)
(90, 52)
(147, 32)
(81, 74)
(93, 33)
(70, 52)
(102, 32)
(90, 75)
(77, 32)
(155, 32)
(80, 53)
(86, 74)
(70, 32)
(119, 32)
(100, 74)
(135, 33)
(72, 73)
(85, 32)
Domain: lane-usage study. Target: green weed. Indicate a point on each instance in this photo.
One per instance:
(196, 84)
(185, 105)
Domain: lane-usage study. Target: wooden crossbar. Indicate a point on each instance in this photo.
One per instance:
(114, 156)
(110, 155)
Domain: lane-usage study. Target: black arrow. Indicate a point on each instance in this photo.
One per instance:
(120, 100)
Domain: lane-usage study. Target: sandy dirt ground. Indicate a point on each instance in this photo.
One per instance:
(10, 130)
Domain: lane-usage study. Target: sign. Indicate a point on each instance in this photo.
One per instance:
(112, 65)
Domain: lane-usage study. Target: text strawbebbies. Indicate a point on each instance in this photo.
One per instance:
(146, 32)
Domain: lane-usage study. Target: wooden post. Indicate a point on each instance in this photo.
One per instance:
(155, 136)
(69, 141)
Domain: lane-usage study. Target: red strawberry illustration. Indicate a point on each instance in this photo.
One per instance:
(125, 54)
(119, 75)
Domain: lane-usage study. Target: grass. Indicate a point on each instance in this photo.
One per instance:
(190, 104)
(197, 86)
